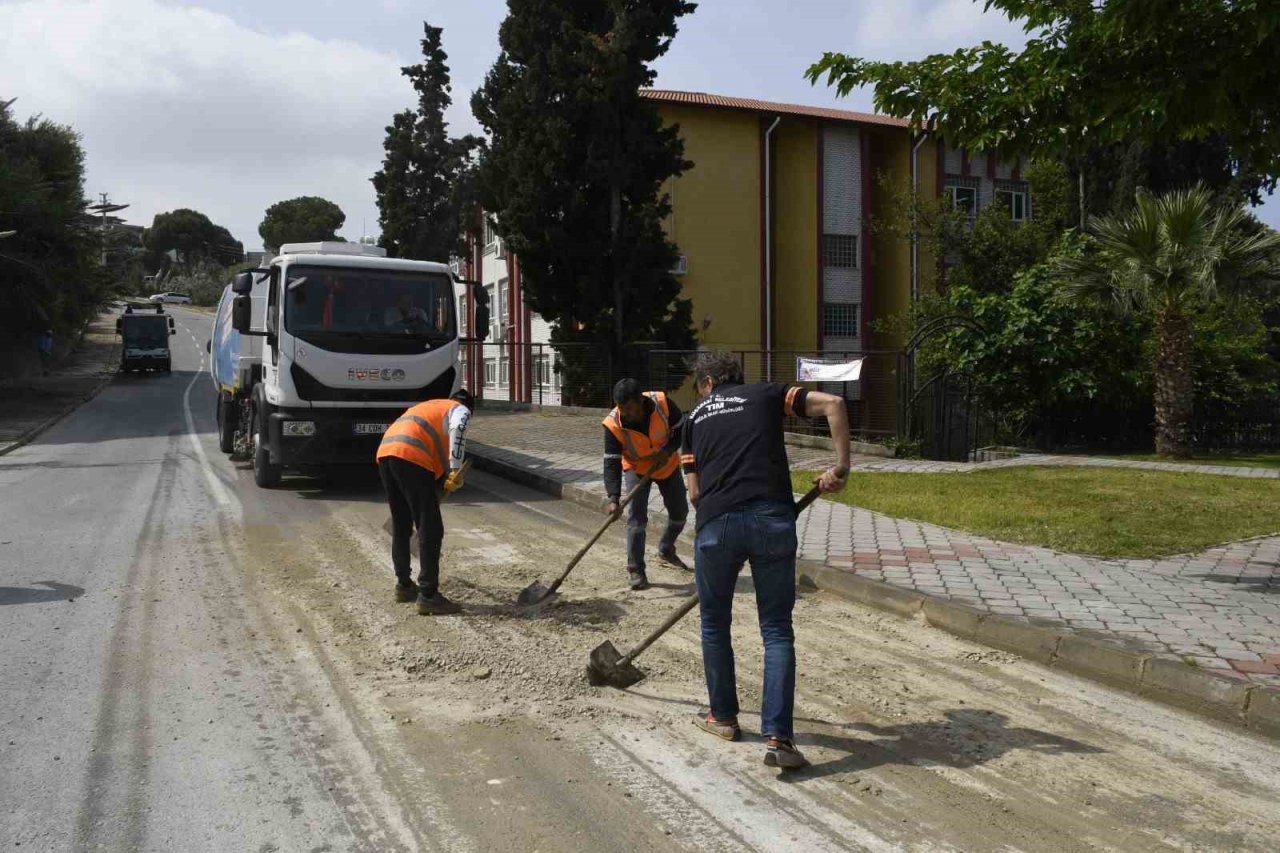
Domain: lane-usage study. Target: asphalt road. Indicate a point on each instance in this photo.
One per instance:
(191, 663)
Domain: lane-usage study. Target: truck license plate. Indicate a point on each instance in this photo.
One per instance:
(370, 429)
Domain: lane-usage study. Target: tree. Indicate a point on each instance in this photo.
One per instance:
(577, 160)
(306, 219)
(50, 271)
(1094, 74)
(193, 236)
(421, 187)
(1165, 259)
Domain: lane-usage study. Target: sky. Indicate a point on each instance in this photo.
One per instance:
(228, 106)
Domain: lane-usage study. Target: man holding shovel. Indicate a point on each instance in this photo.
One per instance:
(735, 464)
(420, 453)
(641, 436)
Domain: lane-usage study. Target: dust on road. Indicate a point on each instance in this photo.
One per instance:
(918, 740)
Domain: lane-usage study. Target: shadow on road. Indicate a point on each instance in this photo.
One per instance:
(31, 595)
(965, 737)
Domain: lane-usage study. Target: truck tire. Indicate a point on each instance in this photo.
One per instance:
(226, 425)
(265, 474)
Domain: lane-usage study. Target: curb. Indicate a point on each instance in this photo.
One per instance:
(531, 478)
(33, 433)
(819, 442)
(1164, 680)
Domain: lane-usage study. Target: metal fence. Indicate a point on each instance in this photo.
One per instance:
(1248, 426)
(540, 374)
(871, 401)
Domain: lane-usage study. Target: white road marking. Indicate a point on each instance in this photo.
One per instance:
(221, 496)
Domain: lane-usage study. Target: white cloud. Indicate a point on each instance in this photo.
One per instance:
(181, 107)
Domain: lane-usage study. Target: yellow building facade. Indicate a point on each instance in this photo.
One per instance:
(774, 224)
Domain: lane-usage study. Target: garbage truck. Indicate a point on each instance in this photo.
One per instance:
(145, 338)
(316, 353)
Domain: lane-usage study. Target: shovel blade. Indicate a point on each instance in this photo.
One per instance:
(532, 594)
(413, 540)
(605, 668)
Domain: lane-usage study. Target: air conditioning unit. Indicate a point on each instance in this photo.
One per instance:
(501, 253)
(681, 266)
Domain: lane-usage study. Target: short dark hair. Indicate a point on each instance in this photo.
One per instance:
(719, 366)
(463, 396)
(625, 391)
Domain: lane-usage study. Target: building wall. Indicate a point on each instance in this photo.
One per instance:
(795, 239)
(715, 222)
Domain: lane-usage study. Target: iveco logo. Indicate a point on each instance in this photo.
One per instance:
(375, 374)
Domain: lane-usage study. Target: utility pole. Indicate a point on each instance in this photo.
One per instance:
(104, 207)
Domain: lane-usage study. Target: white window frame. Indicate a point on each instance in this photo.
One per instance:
(1009, 195)
(490, 373)
(953, 193)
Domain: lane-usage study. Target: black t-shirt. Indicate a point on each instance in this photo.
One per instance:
(733, 440)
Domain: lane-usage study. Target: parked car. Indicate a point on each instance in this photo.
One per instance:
(171, 297)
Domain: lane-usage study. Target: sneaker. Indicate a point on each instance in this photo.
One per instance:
(437, 605)
(406, 590)
(780, 752)
(639, 581)
(671, 558)
(727, 729)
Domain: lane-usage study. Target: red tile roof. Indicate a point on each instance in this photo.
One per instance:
(702, 99)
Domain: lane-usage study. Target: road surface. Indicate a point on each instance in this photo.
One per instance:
(191, 663)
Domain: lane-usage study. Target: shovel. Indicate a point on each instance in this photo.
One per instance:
(607, 666)
(536, 592)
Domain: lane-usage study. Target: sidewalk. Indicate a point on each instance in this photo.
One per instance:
(1214, 614)
(32, 403)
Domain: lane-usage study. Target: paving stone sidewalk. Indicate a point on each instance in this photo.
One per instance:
(30, 402)
(1219, 610)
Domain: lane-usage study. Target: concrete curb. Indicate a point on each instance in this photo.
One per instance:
(796, 439)
(1168, 681)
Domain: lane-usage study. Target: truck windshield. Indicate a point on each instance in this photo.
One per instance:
(369, 302)
(145, 332)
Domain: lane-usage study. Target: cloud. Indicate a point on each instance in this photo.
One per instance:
(181, 107)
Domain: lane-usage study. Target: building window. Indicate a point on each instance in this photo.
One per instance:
(504, 372)
(840, 250)
(542, 371)
(839, 320)
(490, 236)
(494, 322)
(490, 372)
(463, 320)
(1014, 197)
(962, 193)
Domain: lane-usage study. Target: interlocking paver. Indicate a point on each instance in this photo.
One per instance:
(1219, 609)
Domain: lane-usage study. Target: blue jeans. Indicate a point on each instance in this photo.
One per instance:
(674, 498)
(764, 533)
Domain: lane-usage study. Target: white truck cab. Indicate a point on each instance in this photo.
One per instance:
(350, 338)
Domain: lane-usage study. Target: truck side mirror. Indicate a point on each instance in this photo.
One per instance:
(241, 313)
(242, 283)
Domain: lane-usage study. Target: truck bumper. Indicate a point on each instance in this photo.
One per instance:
(332, 441)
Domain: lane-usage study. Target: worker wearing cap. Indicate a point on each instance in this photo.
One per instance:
(641, 437)
(419, 459)
(735, 462)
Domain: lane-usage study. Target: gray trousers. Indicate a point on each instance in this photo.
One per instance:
(674, 498)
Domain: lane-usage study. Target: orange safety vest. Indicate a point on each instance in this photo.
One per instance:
(421, 436)
(642, 452)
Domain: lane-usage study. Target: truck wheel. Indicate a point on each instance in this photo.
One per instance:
(226, 426)
(265, 474)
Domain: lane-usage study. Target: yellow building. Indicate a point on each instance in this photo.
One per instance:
(773, 224)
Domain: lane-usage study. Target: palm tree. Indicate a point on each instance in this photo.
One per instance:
(1165, 258)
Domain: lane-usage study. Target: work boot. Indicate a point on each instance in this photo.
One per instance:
(639, 580)
(406, 590)
(437, 605)
(780, 752)
(727, 729)
(671, 558)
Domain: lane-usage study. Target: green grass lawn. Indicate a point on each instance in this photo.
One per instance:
(1235, 460)
(1101, 511)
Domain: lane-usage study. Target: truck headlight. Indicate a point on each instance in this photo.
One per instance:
(299, 428)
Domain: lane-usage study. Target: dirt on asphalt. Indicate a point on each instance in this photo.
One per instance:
(917, 739)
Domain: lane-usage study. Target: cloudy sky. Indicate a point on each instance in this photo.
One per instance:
(227, 106)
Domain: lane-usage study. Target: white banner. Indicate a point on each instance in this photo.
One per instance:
(814, 370)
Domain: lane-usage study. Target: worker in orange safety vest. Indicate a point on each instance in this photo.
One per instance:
(421, 459)
(641, 437)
